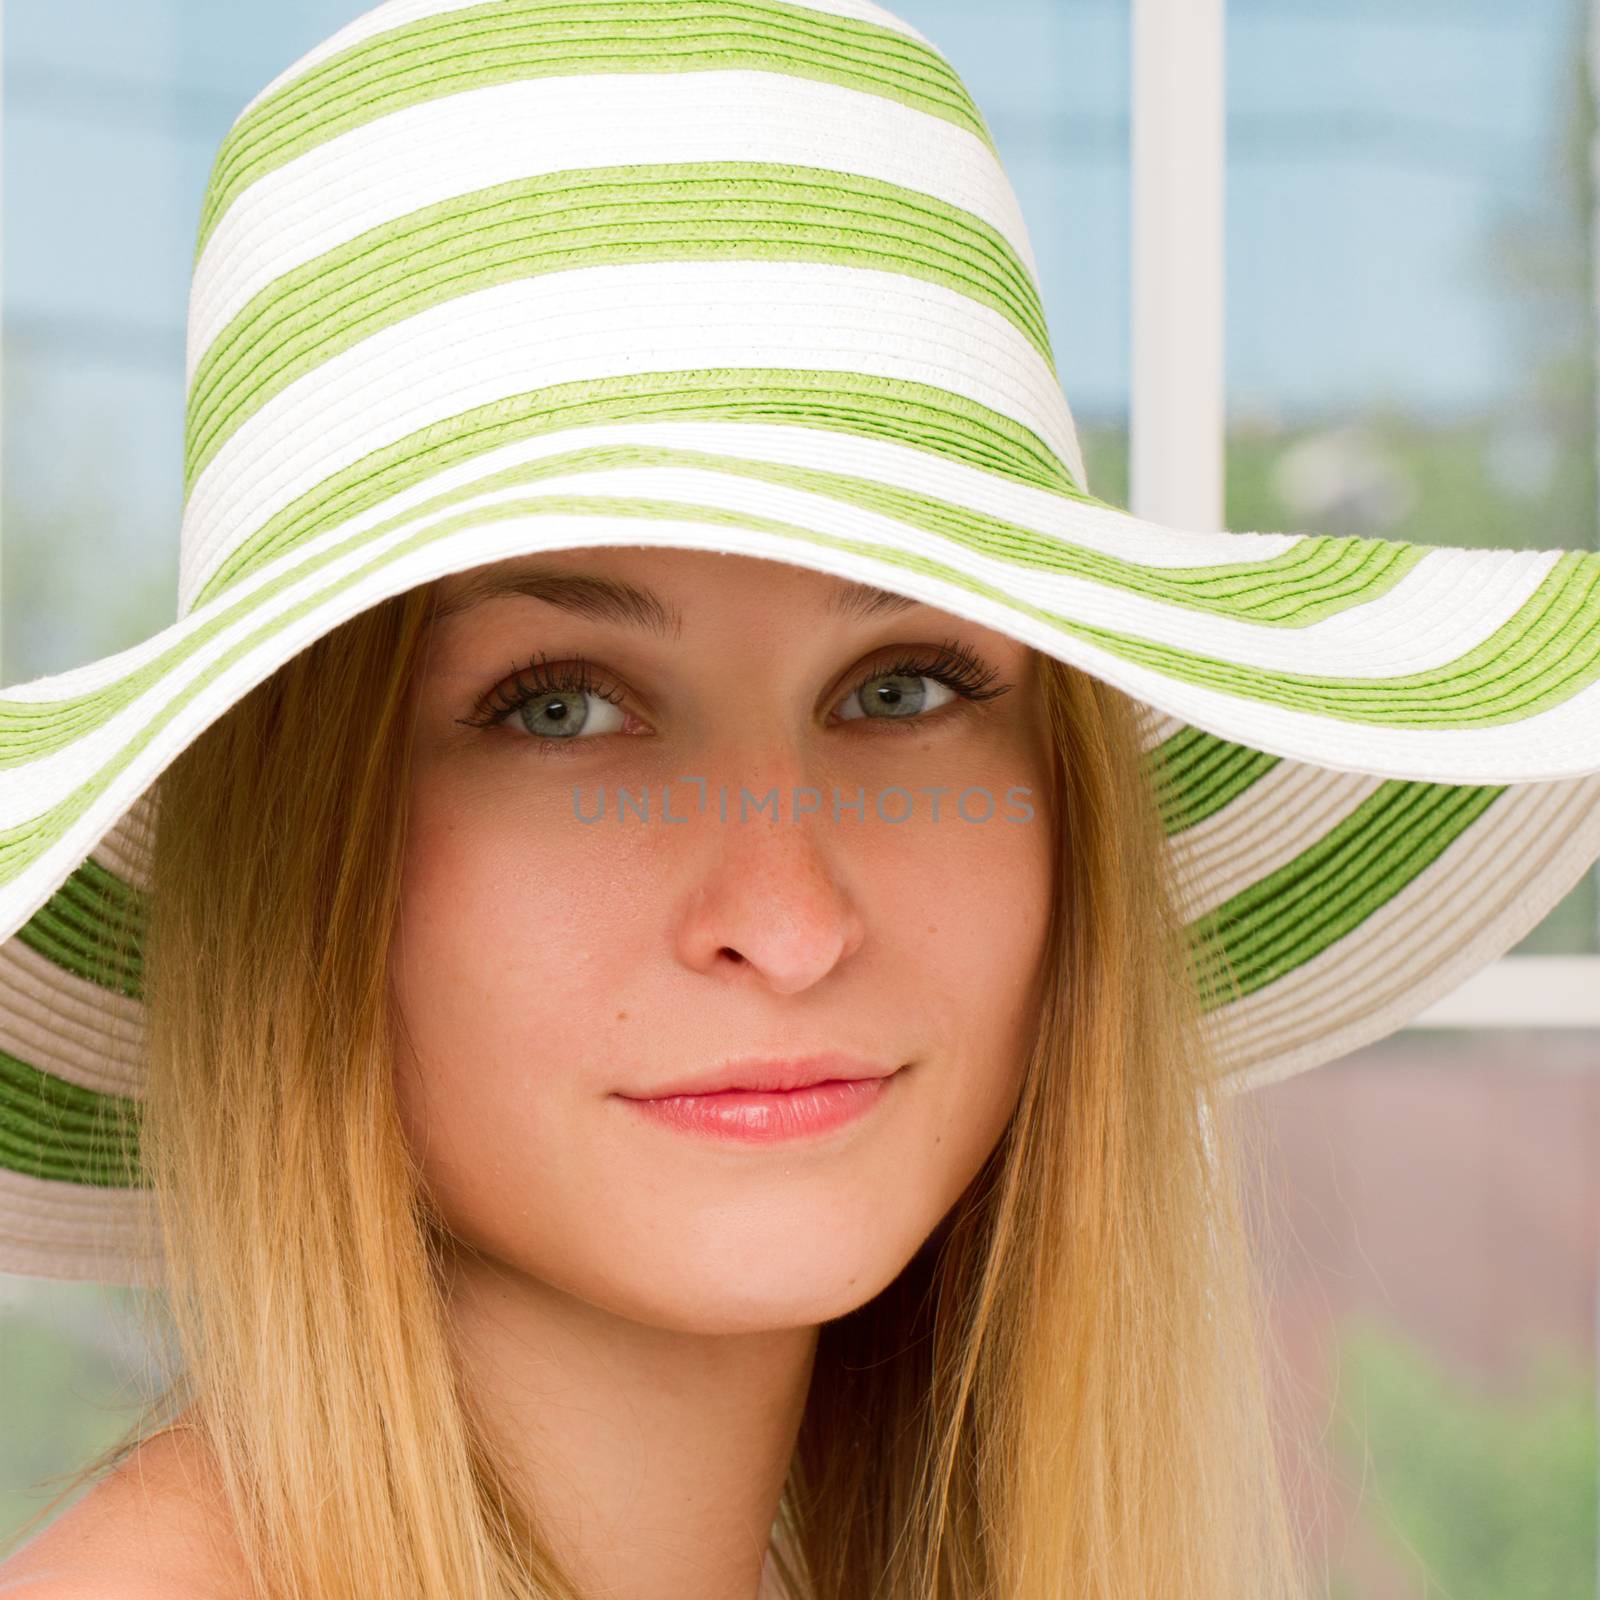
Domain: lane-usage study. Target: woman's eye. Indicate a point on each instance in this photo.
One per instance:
(566, 714)
(556, 704)
(896, 694)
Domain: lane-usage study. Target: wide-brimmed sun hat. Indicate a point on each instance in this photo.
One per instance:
(480, 280)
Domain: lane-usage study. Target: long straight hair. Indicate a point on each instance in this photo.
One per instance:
(1064, 1394)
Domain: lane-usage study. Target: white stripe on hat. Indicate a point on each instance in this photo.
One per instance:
(64, 1024)
(605, 321)
(459, 143)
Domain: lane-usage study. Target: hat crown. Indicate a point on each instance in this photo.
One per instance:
(454, 224)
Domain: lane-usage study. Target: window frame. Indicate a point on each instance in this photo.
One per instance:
(1177, 424)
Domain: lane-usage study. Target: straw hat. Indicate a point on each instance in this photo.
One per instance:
(478, 280)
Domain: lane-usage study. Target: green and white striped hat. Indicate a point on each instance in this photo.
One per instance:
(475, 280)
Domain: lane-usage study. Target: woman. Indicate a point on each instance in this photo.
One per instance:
(644, 646)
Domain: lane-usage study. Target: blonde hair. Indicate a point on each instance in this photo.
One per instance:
(1063, 1394)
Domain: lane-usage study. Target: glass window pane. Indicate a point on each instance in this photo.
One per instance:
(112, 115)
(1053, 83)
(1410, 326)
(1434, 1226)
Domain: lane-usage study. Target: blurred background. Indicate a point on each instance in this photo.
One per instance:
(1410, 350)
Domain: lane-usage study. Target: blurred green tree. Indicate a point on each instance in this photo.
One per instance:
(1484, 1497)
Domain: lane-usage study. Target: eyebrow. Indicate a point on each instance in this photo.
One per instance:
(612, 600)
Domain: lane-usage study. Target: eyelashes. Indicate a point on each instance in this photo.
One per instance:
(528, 683)
(952, 663)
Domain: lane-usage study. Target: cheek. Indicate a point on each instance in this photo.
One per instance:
(476, 929)
(499, 974)
(983, 917)
(508, 914)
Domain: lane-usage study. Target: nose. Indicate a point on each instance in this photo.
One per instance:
(769, 899)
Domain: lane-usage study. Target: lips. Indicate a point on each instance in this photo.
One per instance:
(768, 1074)
(757, 1117)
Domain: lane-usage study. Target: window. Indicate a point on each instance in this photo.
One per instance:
(1363, 292)
(1369, 308)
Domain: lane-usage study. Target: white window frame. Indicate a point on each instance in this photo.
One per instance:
(1177, 437)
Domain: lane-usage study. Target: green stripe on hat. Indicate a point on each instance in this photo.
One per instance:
(53, 1129)
(510, 40)
(1316, 577)
(93, 927)
(29, 729)
(552, 223)
(1196, 774)
(1284, 919)
(1544, 654)
(948, 426)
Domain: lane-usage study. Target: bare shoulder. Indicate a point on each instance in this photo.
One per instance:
(154, 1525)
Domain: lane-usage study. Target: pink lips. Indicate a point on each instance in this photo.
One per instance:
(767, 1115)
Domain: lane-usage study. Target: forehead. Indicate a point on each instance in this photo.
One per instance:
(608, 597)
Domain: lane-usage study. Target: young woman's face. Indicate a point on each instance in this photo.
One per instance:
(559, 954)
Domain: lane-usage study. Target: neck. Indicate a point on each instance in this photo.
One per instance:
(652, 1459)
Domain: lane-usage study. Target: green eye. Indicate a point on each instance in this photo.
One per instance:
(560, 703)
(897, 695)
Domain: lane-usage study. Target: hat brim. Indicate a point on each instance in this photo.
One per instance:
(1379, 763)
